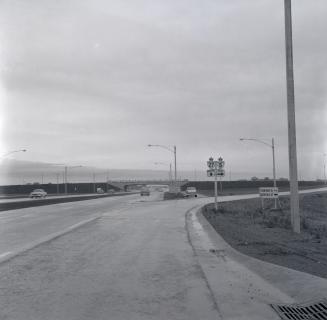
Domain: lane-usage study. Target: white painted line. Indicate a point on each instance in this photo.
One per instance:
(2, 255)
(10, 254)
(74, 226)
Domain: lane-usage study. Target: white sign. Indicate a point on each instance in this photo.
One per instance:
(268, 193)
(218, 173)
(216, 168)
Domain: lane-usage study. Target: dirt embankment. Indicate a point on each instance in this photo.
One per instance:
(267, 235)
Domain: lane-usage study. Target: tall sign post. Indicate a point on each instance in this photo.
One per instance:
(216, 169)
(295, 208)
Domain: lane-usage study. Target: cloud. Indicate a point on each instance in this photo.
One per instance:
(96, 81)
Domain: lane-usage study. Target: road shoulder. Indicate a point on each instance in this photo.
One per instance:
(296, 285)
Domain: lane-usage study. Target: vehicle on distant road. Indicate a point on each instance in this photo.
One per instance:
(191, 192)
(100, 190)
(38, 193)
(184, 194)
(145, 192)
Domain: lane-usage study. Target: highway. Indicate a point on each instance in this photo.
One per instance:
(118, 258)
(133, 262)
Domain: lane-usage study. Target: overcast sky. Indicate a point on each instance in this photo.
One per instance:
(92, 82)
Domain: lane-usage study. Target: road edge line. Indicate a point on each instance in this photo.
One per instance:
(12, 254)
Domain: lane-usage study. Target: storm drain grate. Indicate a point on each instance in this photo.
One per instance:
(307, 311)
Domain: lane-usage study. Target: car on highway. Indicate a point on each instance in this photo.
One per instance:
(145, 192)
(38, 193)
(191, 192)
(100, 190)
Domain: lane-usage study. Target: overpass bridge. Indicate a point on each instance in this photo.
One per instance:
(128, 184)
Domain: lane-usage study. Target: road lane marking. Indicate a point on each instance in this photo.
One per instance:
(11, 254)
(2, 255)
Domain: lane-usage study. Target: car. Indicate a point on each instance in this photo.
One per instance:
(100, 190)
(145, 192)
(191, 191)
(38, 193)
(183, 194)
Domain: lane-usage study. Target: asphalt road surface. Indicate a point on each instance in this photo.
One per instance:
(133, 261)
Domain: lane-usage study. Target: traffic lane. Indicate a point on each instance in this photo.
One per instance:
(19, 228)
(133, 264)
(19, 199)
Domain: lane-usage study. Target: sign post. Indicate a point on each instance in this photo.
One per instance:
(216, 168)
(268, 193)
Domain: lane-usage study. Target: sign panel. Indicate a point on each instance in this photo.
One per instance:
(268, 193)
(218, 173)
(210, 173)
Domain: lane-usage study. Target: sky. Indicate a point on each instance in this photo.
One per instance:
(93, 82)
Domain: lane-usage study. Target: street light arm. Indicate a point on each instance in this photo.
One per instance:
(161, 146)
(163, 163)
(7, 154)
(257, 140)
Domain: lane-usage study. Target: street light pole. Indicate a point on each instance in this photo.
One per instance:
(272, 146)
(170, 170)
(292, 154)
(175, 157)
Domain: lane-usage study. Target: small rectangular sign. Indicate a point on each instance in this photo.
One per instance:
(268, 193)
(218, 173)
(210, 173)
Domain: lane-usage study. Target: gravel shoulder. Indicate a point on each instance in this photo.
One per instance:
(266, 234)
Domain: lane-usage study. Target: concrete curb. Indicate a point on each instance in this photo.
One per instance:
(7, 256)
(299, 286)
(239, 293)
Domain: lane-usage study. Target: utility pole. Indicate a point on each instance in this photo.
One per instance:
(93, 182)
(295, 207)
